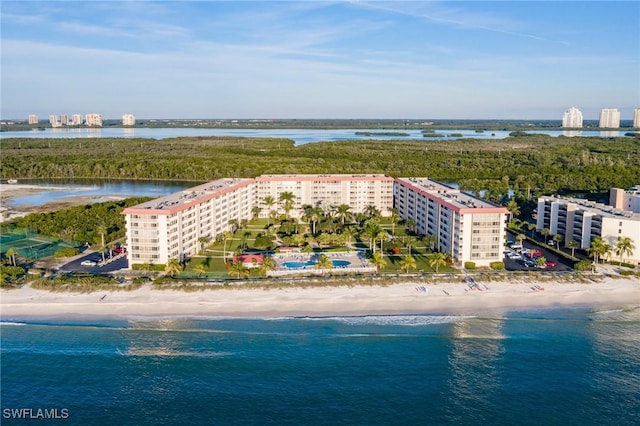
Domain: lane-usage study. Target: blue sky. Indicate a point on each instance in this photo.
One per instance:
(320, 59)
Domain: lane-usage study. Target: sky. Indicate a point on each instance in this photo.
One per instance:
(319, 59)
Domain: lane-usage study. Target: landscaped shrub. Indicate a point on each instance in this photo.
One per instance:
(67, 252)
(469, 265)
(627, 273)
(497, 265)
(583, 265)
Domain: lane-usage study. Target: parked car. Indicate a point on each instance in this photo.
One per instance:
(88, 263)
(529, 264)
(550, 264)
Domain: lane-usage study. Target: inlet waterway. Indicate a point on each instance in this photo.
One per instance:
(299, 136)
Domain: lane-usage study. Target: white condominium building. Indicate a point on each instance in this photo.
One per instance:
(609, 118)
(572, 118)
(468, 228)
(327, 191)
(625, 200)
(170, 227)
(76, 120)
(636, 118)
(128, 120)
(33, 119)
(53, 120)
(93, 120)
(582, 221)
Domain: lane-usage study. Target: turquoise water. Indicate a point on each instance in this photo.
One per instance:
(292, 264)
(547, 367)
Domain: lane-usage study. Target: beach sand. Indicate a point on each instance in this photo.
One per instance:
(405, 298)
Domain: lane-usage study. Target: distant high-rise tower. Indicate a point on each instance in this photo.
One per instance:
(53, 119)
(64, 119)
(636, 118)
(610, 118)
(572, 118)
(128, 120)
(33, 119)
(77, 119)
(93, 120)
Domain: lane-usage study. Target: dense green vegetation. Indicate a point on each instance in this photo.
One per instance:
(537, 162)
(81, 223)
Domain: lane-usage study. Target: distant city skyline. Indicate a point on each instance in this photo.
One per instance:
(318, 59)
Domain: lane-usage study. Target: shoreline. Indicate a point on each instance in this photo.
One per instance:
(397, 299)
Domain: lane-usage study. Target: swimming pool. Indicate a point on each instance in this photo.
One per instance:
(292, 264)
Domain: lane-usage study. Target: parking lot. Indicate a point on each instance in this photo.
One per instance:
(90, 263)
(523, 263)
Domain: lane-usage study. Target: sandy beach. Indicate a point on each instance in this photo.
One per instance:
(405, 298)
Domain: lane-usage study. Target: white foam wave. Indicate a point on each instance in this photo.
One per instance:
(12, 323)
(401, 320)
(167, 352)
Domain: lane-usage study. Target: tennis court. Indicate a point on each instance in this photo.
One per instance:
(29, 244)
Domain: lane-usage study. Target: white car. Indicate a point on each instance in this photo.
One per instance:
(88, 263)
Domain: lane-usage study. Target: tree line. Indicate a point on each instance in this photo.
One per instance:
(537, 163)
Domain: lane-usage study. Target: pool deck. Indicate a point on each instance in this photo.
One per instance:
(358, 264)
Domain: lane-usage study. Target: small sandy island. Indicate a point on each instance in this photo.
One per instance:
(10, 191)
(404, 298)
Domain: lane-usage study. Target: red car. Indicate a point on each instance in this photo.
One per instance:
(550, 264)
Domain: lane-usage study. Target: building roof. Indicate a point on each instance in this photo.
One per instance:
(603, 210)
(452, 197)
(182, 200)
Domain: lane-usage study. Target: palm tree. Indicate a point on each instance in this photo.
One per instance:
(268, 264)
(411, 225)
(324, 263)
(287, 199)
(520, 238)
(226, 235)
(408, 262)
(238, 268)
(513, 208)
(624, 247)
(371, 230)
(372, 211)
(395, 219)
(343, 213)
(598, 248)
(203, 242)
(11, 254)
(173, 267)
(200, 269)
(573, 245)
(378, 260)
(102, 230)
(349, 232)
(255, 211)
(532, 227)
(430, 240)
(269, 202)
(382, 236)
(313, 214)
(234, 224)
(545, 232)
(410, 242)
(558, 238)
(437, 260)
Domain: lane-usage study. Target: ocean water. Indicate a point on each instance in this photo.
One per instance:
(544, 367)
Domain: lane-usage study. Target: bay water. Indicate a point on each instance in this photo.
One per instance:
(533, 367)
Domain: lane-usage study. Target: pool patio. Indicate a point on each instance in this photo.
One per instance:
(304, 264)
